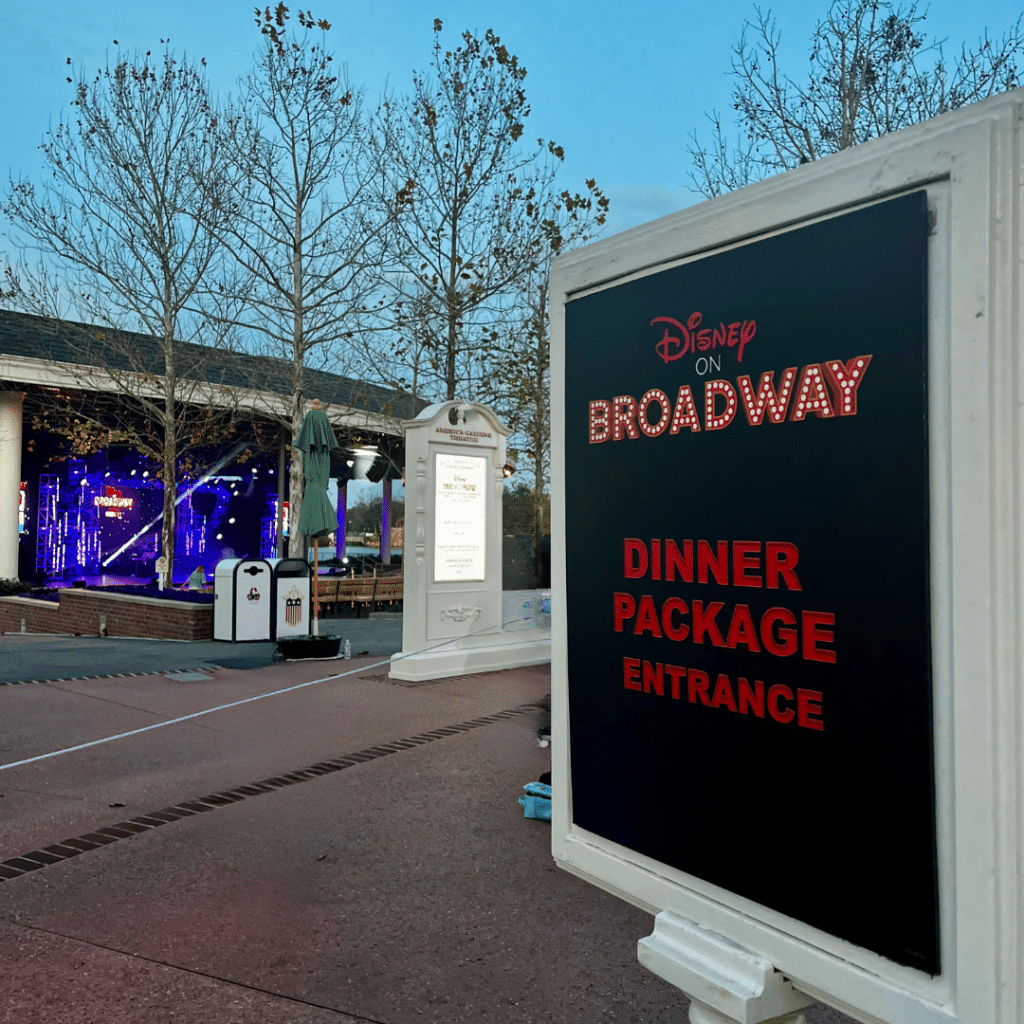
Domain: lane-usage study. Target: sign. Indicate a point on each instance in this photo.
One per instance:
(161, 564)
(460, 518)
(452, 433)
(747, 572)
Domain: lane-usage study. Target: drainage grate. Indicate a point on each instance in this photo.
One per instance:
(108, 675)
(14, 867)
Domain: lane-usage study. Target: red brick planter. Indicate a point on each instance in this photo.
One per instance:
(87, 612)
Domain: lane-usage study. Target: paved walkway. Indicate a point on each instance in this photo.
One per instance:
(301, 843)
(28, 656)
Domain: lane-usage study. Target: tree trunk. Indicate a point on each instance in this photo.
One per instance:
(297, 542)
(296, 482)
(170, 475)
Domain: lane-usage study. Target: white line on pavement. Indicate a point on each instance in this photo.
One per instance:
(185, 718)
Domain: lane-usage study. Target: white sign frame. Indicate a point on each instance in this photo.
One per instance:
(972, 164)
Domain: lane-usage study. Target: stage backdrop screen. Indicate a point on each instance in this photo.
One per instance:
(747, 573)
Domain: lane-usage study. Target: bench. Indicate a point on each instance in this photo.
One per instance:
(357, 591)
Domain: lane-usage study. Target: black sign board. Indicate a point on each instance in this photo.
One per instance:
(747, 571)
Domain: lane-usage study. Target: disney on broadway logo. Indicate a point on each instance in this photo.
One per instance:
(695, 338)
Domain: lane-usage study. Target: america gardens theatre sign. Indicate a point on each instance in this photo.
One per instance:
(758, 653)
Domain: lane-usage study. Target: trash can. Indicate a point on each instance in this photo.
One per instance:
(242, 599)
(291, 578)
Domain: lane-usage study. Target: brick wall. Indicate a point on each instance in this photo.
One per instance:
(81, 611)
(39, 616)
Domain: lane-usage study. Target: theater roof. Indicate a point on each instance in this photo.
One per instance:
(49, 352)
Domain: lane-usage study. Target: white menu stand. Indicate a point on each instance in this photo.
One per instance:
(455, 455)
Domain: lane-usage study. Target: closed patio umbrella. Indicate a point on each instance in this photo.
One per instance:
(318, 517)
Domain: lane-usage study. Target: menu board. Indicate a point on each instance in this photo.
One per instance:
(460, 518)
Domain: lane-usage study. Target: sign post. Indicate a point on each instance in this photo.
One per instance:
(768, 433)
(161, 570)
(452, 603)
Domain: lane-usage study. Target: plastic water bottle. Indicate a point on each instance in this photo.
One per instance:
(348, 650)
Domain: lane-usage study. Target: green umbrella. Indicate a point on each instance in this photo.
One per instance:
(318, 517)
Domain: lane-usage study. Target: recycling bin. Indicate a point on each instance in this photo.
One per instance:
(291, 581)
(242, 599)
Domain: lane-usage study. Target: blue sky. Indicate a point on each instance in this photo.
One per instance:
(620, 85)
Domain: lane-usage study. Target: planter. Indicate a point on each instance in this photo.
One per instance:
(294, 648)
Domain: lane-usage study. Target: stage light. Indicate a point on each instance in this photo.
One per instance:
(220, 536)
(231, 520)
(133, 472)
(146, 473)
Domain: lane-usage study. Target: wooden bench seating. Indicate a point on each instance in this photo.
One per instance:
(357, 591)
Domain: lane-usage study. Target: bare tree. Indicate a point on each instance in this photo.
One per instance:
(136, 180)
(519, 385)
(471, 212)
(872, 72)
(309, 234)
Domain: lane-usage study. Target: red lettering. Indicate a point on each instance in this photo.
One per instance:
(674, 672)
(808, 703)
(814, 634)
(647, 618)
(704, 622)
(653, 678)
(741, 630)
(672, 631)
(697, 686)
(654, 429)
(723, 693)
(712, 389)
(600, 427)
(625, 607)
(655, 559)
(631, 673)
(719, 566)
(734, 334)
(776, 404)
(811, 395)
(742, 562)
(844, 379)
(664, 347)
(686, 412)
(624, 418)
(786, 643)
(674, 561)
(751, 699)
(634, 554)
(775, 694)
(780, 560)
(704, 339)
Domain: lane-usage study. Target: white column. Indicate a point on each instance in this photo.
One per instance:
(11, 403)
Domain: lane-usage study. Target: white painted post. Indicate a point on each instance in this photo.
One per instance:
(11, 403)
